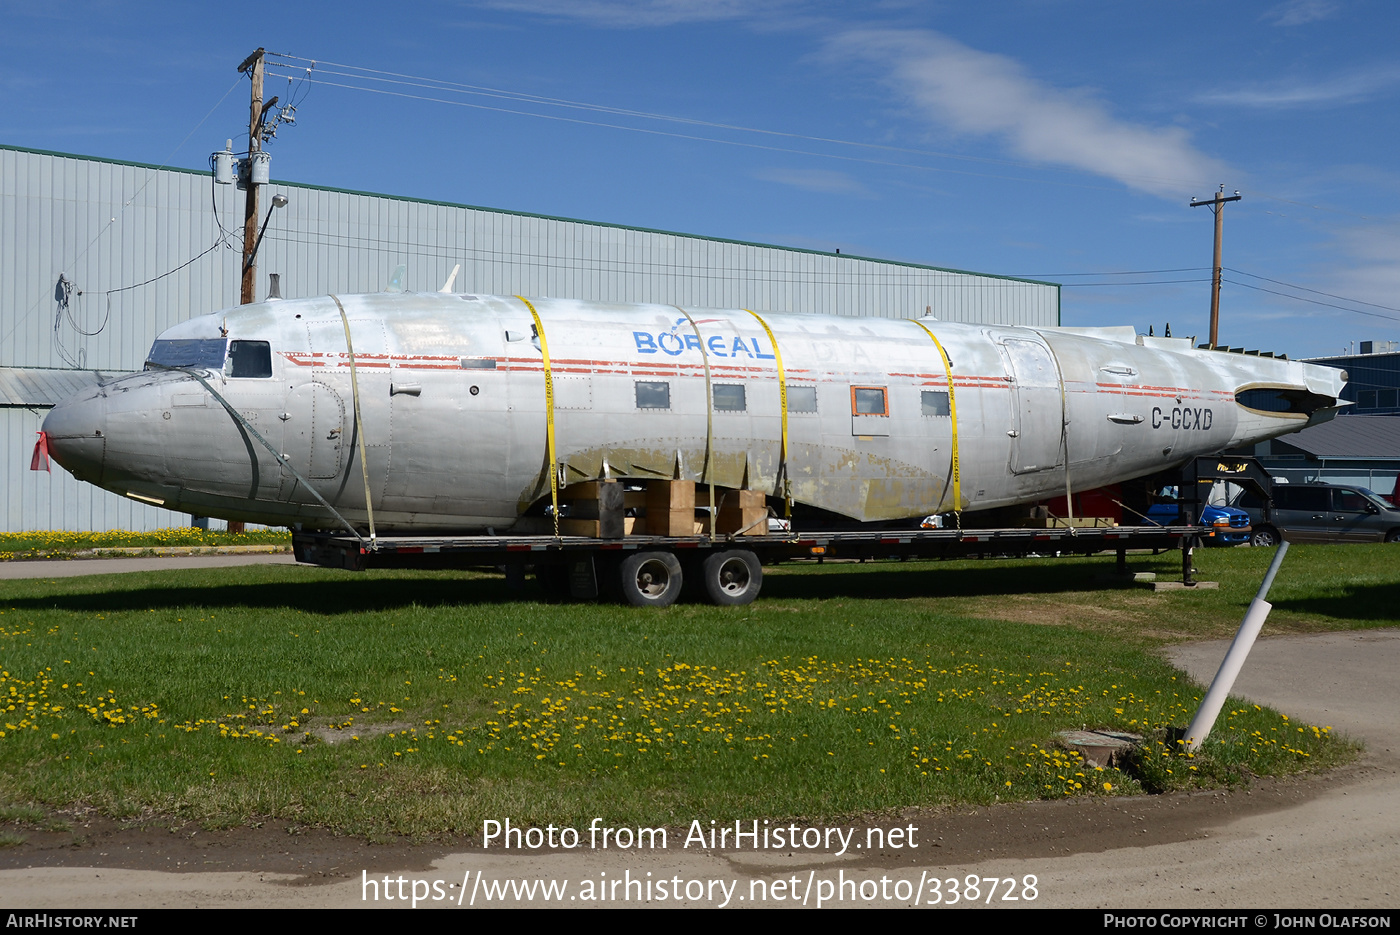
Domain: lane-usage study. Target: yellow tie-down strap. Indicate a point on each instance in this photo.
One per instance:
(359, 423)
(709, 417)
(548, 413)
(782, 401)
(953, 415)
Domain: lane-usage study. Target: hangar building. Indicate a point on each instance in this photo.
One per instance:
(97, 257)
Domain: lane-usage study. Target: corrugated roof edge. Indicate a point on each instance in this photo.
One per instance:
(1338, 439)
(551, 217)
(1342, 357)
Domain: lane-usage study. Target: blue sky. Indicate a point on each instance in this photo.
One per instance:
(1057, 139)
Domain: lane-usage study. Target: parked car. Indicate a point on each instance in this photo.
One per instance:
(1229, 525)
(1321, 513)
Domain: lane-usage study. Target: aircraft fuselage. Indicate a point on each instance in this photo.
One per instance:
(456, 416)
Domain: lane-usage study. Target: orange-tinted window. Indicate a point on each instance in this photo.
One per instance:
(869, 401)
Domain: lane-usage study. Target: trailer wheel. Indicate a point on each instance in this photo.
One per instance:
(650, 579)
(732, 578)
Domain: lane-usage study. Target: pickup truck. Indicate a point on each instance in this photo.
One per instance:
(1227, 525)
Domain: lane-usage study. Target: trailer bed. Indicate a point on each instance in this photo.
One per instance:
(341, 551)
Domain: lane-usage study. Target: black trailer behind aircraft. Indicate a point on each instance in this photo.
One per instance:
(728, 570)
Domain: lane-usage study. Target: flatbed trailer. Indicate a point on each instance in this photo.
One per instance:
(653, 570)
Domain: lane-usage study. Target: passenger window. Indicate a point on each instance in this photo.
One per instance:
(653, 395)
(729, 397)
(935, 402)
(869, 401)
(802, 399)
(250, 359)
(1348, 501)
(1301, 498)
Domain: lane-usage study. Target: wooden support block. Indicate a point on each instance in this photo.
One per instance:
(670, 507)
(591, 490)
(670, 523)
(743, 512)
(1060, 522)
(663, 496)
(598, 505)
(579, 527)
(596, 528)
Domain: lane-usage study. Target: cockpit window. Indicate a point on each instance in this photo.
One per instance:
(206, 353)
(250, 359)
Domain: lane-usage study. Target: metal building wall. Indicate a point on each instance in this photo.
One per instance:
(335, 240)
(54, 500)
(147, 247)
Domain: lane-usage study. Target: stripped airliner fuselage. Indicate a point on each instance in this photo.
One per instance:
(871, 418)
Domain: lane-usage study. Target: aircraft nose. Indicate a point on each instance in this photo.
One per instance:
(77, 433)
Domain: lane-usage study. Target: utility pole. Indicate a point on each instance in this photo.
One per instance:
(1217, 207)
(253, 67)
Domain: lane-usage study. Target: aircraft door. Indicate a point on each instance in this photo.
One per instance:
(313, 435)
(1037, 406)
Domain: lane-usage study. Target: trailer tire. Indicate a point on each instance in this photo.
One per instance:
(650, 579)
(732, 578)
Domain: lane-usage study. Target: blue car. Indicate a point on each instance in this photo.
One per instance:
(1228, 525)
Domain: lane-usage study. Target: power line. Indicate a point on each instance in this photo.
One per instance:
(1279, 282)
(310, 68)
(1299, 298)
(710, 139)
(19, 319)
(170, 272)
(1301, 204)
(437, 84)
(434, 84)
(1148, 282)
(1129, 272)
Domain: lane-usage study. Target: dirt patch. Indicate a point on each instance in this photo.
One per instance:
(330, 732)
(946, 836)
(1056, 612)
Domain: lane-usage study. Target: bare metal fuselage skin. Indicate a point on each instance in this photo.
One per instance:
(455, 418)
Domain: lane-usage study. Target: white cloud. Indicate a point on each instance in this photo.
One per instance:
(982, 94)
(1298, 12)
(640, 13)
(1353, 86)
(1375, 275)
(815, 180)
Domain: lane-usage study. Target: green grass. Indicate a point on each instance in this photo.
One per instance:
(424, 702)
(56, 544)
